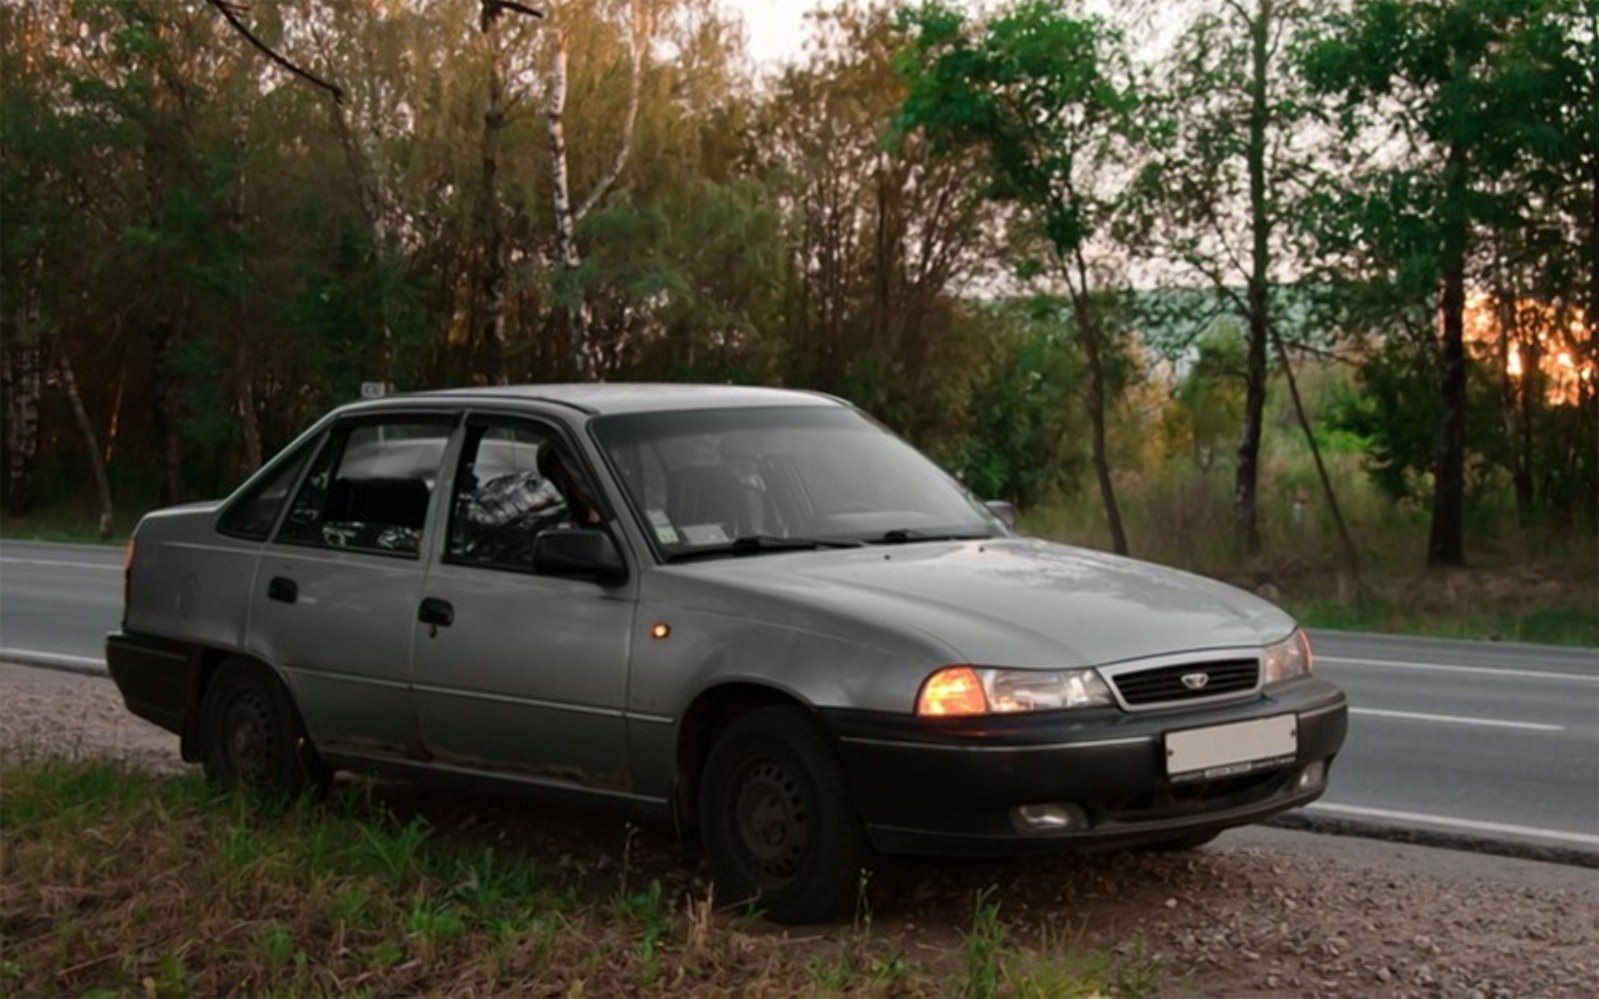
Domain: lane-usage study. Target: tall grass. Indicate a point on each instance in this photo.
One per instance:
(117, 881)
(1540, 583)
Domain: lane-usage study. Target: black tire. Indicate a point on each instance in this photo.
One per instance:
(1181, 844)
(251, 738)
(776, 819)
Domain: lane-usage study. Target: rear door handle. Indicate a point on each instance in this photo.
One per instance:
(283, 590)
(437, 613)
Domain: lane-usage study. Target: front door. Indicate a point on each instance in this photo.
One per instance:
(336, 590)
(516, 672)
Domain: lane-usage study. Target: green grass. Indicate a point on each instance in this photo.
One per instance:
(1556, 625)
(70, 523)
(113, 881)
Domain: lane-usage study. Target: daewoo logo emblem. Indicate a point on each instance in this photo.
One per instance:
(1196, 681)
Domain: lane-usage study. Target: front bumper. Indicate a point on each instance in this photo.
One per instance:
(951, 787)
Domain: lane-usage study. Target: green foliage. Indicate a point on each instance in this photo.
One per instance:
(985, 942)
(1023, 404)
(1489, 95)
(222, 254)
(1209, 401)
(1045, 93)
(1394, 412)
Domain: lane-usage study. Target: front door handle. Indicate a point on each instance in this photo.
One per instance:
(436, 614)
(283, 589)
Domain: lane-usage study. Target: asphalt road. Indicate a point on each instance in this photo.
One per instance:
(1491, 740)
(59, 600)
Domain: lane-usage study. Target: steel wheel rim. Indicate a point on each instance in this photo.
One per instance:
(247, 738)
(770, 821)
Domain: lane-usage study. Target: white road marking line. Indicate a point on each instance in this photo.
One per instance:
(1522, 674)
(1458, 720)
(60, 657)
(64, 565)
(1450, 822)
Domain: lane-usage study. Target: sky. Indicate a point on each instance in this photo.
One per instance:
(777, 28)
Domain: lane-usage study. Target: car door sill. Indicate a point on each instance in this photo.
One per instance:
(543, 787)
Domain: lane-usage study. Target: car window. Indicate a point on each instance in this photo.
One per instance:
(702, 480)
(368, 489)
(514, 482)
(254, 513)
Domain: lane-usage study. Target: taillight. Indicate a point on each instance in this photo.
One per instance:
(127, 576)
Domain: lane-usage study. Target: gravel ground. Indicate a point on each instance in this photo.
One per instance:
(1261, 912)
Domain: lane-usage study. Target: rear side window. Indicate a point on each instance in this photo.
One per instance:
(253, 514)
(369, 488)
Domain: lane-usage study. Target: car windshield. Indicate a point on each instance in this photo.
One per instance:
(746, 481)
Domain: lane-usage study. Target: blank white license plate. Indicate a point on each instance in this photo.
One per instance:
(1228, 750)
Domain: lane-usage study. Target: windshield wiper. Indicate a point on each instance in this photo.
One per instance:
(753, 544)
(902, 535)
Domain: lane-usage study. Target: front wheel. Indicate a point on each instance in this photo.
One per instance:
(251, 736)
(777, 822)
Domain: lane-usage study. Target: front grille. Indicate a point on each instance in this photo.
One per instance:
(1165, 683)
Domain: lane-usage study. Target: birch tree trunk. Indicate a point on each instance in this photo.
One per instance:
(566, 252)
(22, 371)
(249, 421)
(568, 215)
(91, 441)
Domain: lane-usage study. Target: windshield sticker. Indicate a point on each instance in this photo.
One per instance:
(705, 534)
(665, 533)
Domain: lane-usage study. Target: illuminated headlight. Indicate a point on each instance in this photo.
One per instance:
(968, 690)
(1287, 660)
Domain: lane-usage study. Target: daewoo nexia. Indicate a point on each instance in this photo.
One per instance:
(755, 611)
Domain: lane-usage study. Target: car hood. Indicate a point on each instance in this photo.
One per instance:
(1002, 602)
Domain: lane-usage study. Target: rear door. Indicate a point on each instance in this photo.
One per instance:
(337, 589)
(529, 677)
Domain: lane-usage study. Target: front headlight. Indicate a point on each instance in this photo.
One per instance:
(1287, 660)
(967, 690)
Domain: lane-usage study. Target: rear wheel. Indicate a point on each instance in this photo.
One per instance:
(251, 736)
(776, 819)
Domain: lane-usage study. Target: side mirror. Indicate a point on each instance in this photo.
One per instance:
(585, 552)
(1004, 510)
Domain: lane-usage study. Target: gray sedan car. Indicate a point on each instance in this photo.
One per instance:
(753, 611)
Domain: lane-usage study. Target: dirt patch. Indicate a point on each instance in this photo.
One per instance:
(1224, 921)
(69, 714)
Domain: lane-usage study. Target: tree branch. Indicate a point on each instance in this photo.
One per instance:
(230, 10)
(638, 41)
(492, 9)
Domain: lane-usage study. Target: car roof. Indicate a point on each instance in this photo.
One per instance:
(604, 398)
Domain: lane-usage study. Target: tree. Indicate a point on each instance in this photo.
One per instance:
(569, 213)
(1225, 176)
(880, 232)
(1048, 97)
(492, 254)
(1455, 91)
